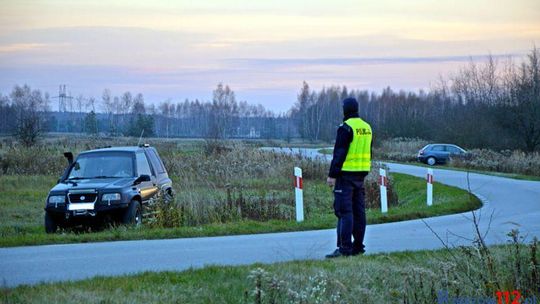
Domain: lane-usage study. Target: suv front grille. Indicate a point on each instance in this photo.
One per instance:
(82, 197)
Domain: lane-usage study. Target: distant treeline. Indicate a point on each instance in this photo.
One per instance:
(128, 115)
(488, 105)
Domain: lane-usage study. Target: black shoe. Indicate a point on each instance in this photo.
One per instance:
(336, 254)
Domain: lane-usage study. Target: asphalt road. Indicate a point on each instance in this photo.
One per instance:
(510, 204)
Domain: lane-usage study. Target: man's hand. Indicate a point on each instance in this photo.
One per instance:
(331, 182)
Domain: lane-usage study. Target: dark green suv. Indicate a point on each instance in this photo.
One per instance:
(109, 184)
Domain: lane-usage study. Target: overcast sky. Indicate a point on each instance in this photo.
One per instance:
(262, 49)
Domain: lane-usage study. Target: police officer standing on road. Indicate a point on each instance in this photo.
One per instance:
(350, 165)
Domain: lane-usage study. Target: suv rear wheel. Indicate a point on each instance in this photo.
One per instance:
(133, 214)
(431, 161)
(168, 195)
(51, 226)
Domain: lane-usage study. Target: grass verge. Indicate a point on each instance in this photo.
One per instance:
(404, 277)
(21, 210)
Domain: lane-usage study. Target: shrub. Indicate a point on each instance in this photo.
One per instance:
(373, 193)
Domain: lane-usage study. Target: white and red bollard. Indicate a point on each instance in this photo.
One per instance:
(383, 183)
(429, 187)
(298, 186)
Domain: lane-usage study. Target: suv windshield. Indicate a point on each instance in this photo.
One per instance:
(102, 165)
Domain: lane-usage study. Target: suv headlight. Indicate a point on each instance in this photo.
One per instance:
(111, 197)
(57, 199)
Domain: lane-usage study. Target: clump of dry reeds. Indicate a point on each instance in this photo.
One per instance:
(399, 149)
(505, 161)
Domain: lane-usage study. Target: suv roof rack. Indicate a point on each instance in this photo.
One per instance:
(144, 145)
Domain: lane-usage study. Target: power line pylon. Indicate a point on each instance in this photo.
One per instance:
(63, 98)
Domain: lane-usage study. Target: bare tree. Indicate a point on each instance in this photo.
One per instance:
(165, 109)
(222, 110)
(30, 106)
(523, 102)
(138, 105)
(91, 104)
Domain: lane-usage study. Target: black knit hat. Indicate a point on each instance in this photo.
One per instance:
(350, 106)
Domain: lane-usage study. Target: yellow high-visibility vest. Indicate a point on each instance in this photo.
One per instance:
(359, 155)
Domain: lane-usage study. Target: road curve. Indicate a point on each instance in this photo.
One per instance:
(511, 204)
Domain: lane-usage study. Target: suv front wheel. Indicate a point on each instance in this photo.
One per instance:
(51, 226)
(431, 161)
(133, 215)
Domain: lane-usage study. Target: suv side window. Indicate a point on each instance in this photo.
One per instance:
(156, 162)
(142, 165)
(438, 148)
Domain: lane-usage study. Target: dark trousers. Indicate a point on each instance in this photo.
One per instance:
(350, 210)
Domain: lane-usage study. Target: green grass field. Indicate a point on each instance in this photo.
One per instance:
(405, 277)
(22, 201)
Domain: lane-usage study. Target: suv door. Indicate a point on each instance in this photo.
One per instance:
(157, 165)
(148, 189)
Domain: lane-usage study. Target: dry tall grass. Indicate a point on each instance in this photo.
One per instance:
(399, 149)
(235, 181)
(505, 161)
